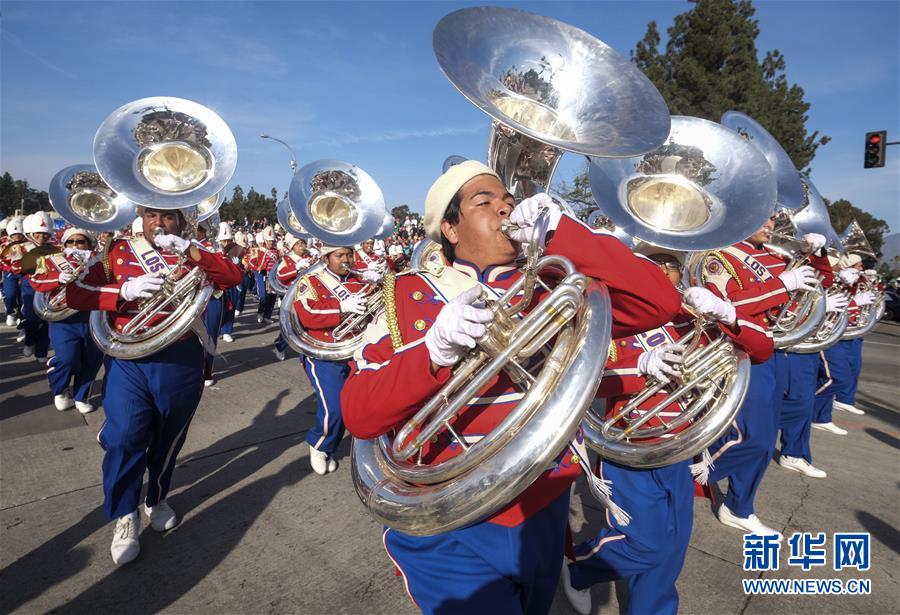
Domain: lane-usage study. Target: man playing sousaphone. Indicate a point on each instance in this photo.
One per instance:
(76, 358)
(295, 259)
(322, 302)
(649, 549)
(149, 402)
(510, 561)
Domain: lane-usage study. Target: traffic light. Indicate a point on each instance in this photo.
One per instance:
(875, 142)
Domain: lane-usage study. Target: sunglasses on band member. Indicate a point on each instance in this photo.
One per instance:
(78, 242)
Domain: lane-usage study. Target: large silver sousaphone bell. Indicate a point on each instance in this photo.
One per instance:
(164, 152)
(548, 87)
(288, 220)
(704, 188)
(79, 194)
(336, 202)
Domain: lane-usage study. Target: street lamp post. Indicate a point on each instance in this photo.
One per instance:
(290, 149)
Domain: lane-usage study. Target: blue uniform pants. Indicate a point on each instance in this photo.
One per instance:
(37, 332)
(149, 404)
(854, 353)
(266, 300)
(747, 449)
(841, 364)
(798, 404)
(242, 295)
(76, 356)
(281, 343)
(485, 568)
(650, 550)
(12, 293)
(212, 318)
(232, 295)
(327, 378)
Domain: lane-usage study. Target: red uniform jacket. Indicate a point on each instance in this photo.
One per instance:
(367, 259)
(12, 261)
(290, 266)
(98, 287)
(621, 380)
(747, 276)
(318, 303)
(266, 258)
(46, 276)
(387, 385)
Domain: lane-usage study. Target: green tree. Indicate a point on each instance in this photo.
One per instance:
(842, 213)
(401, 211)
(711, 65)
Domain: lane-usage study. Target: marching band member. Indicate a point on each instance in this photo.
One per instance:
(38, 231)
(797, 405)
(756, 281)
(233, 296)
(824, 393)
(367, 258)
(12, 276)
(322, 302)
(137, 227)
(244, 241)
(249, 263)
(649, 550)
(76, 359)
(214, 314)
(509, 562)
(149, 402)
(296, 258)
(265, 260)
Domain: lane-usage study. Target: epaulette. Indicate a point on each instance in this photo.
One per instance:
(712, 267)
(305, 287)
(388, 288)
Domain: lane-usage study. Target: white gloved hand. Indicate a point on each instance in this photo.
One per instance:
(457, 326)
(525, 214)
(78, 253)
(354, 304)
(662, 362)
(173, 243)
(140, 287)
(371, 275)
(802, 277)
(836, 303)
(812, 242)
(849, 276)
(65, 277)
(706, 303)
(864, 298)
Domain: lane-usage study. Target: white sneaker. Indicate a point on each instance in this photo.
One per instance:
(10, 320)
(84, 407)
(63, 402)
(237, 313)
(125, 546)
(279, 354)
(332, 464)
(21, 337)
(318, 460)
(41, 359)
(28, 351)
(580, 599)
(799, 464)
(750, 524)
(209, 383)
(227, 338)
(162, 517)
(830, 427)
(846, 407)
(259, 319)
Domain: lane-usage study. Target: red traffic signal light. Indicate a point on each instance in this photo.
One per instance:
(874, 154)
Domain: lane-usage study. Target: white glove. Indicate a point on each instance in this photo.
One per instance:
(864, 298)
(371, 275)
(849, 276)
(802, 277)
(871, 275)
(525, 214)
(140, 287)
(457, 326)
(65, 277)
(707, 304)
(836, 303)
(662, 362)
(173, 243)
(812, 242)
(354, 304)
(80, 254)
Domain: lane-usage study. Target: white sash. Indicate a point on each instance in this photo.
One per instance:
(148, 258)
(334, 285)
(61, 263)
(761, 271)
(648, 340)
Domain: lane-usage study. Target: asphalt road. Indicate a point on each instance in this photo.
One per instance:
(261, 533)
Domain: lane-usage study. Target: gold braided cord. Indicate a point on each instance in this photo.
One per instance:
(613, 354)
(107, 266)
(728, 267)
(388, 288)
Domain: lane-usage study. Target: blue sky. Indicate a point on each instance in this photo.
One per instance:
(359, 82)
